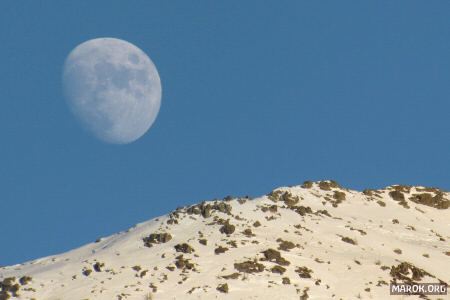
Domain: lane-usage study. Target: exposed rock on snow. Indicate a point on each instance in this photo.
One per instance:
(314, 241)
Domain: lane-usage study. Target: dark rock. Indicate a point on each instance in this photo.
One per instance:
(220, 250)
(257, 224)
(185, 248)
(274, 256)
(98, 266)
(24, 280)
(348, 240)
(278, 269)
(223, 288)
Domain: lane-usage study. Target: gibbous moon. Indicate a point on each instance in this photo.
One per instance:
(113, 88)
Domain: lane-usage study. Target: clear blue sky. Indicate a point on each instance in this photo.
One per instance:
(255, 96)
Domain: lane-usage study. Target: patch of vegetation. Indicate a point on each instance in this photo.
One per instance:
(304, 272)
(407, 273)
(249, 266)
(184, 247)
(397, 195)
(289, 199)
(368, 192)
(220, 250)
(271, 208)
(136, 268)
(305, 295)
(339, 196)
(203, 241)
(235, 275)
(248, 232)
(183, 263)
(278, 269)
(323, 212)
(274, 256)
(9, 286)
(153, 287)
(227, 228)
(24, 280)
(324, 185)
(437, 201)
(156, 238)
(257, 224)
(286, 280)
(349, 240)
(232, 243)
(307, 185)
(302, 210)
(275, 195)
(285, 245)
(398, 251)
(381, 203)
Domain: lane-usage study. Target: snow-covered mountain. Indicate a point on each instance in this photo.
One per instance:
(314, 241)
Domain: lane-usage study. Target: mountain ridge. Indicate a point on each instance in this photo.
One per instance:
(317, 240)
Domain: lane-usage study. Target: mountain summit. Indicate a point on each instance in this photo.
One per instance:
(314, 241)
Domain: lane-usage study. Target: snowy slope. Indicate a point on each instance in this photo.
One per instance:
(315, 241)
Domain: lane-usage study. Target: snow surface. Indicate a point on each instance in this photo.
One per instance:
(350, 248)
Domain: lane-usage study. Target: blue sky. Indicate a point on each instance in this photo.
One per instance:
(255, 96)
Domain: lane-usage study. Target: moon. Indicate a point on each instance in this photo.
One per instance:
(113, 89)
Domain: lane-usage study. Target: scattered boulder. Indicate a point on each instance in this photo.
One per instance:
(185, 248)
(223, 288)
(220, 250)
(98, 266)
(274, 256)
(87, 272)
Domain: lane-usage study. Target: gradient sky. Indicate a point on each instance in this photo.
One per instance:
(255, 96)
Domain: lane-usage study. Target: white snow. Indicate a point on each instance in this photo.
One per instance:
(339, 269)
